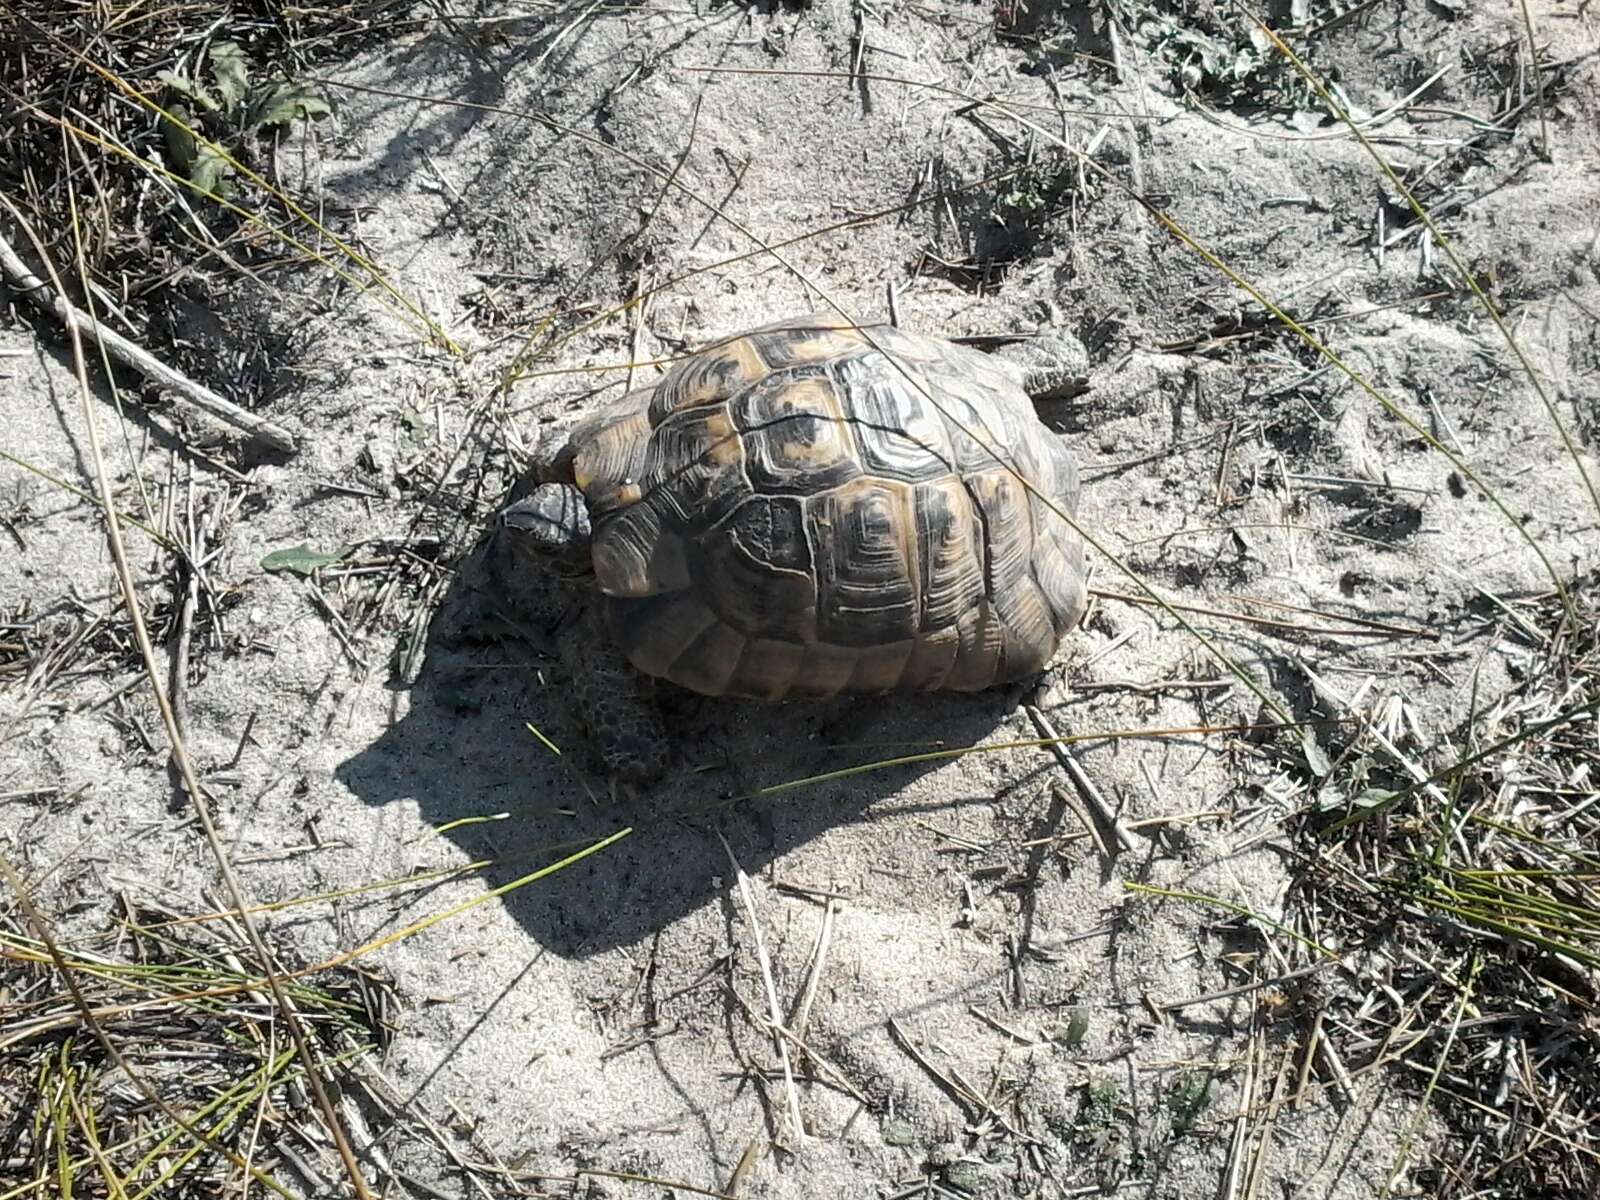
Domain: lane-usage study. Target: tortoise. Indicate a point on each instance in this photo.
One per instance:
(805, 510)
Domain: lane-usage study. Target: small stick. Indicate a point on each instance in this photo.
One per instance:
(25, 283)
(1158, 686)
(1204, 814)
(741, 1171)
(800, 1017)
(860, 40)
(975, 1105)
(957, 1088)
(774, 1012)
(1135, 159)
(1003, 1028)
(178, 667)
(1308, 1056)
(1080, 779)
(1239, 1141)
(1091, 827)
(1262, 1139)
(823, 1066)
(1366, 627)
(1335, 1065)
(1225, 463)
(1244, 988)
(1346, 482)
(641, 302)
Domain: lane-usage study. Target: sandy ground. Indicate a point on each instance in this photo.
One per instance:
(981, 989)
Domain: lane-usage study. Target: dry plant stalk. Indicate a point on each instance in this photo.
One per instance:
(43, 297)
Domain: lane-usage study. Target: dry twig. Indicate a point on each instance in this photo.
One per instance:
(774, 1011)
(45, 298)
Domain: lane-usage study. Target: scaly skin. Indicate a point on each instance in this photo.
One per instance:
(1045, 364)
(612, 698)
(612, 703)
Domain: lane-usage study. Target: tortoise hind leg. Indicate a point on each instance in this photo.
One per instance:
(613, 704)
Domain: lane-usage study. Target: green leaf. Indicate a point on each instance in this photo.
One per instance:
(189, 88)
(210, 171)
(301, 560)
(966, 1175)
(1316, 757)
(1187, 1098)
(899, 1132)
(231, 72)
(180, 142)
(1373, 797)
(284, 103)
(1071, 1031)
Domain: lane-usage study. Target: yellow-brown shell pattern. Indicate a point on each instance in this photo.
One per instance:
(808, 510)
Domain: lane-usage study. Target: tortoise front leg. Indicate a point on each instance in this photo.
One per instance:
(1048, 365)
(614, 705)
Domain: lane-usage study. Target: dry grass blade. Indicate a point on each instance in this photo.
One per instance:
(130, 596)
(1418, 1117)
(1003, 747)
(1466, 277)
(56, 481)
(1358, 626)
(670, 1185)
(1105, 817)
(1260, 919)
(206, 1075)
(797, 1128)
(1538, 82)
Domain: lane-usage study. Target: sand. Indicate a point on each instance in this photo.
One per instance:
(981, 988)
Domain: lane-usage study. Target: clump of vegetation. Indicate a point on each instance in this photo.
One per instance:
(1101, 1104)
(1027, 202)
(87, 84)
(1021, 217)
(231, 114)
(1187, 1097)
(1478, 857)
(1219, 53)
(165, 1070)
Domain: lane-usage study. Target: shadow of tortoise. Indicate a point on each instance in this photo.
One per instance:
(489, 731)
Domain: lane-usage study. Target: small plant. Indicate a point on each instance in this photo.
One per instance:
(227, 115)
(1229, 61)
(1070, 1031)
(1187, 1098)
(1099, 1108)
(1103, 1135)
(1030, 197)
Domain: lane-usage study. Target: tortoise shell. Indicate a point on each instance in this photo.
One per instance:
(805, 510)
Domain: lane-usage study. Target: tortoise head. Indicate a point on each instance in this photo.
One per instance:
(549, 529)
